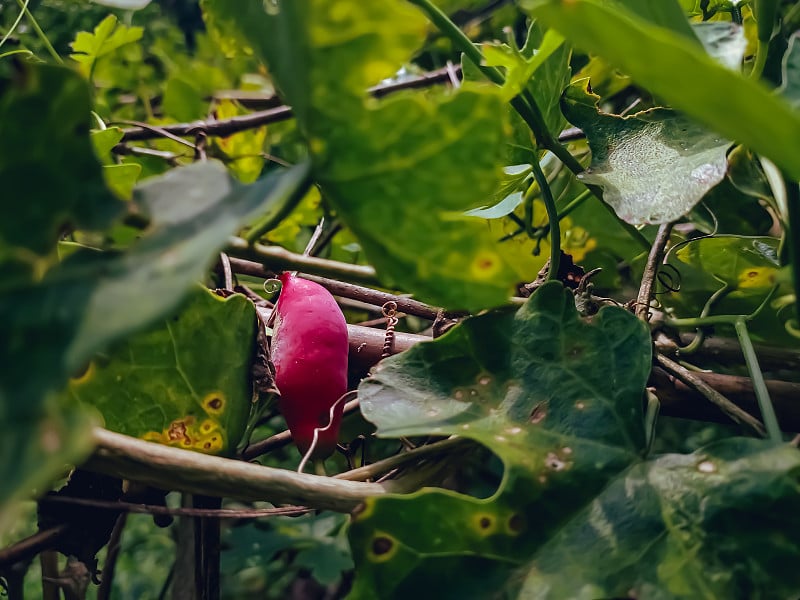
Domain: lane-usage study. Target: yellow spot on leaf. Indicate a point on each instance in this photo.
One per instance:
(85, 375)
(757, 277)
(485, 265)
(214, 403)
(484, 523)
(382, 548)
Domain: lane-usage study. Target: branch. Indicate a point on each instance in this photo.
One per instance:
(405, 305)
(654, 260)
(170, 468)
(280, 259)
(680, 400)
(727, 350)
(226, 127)
(26, 549)
(398, 460)
(693, 381)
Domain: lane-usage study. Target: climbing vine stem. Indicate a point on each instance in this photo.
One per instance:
(552, 217)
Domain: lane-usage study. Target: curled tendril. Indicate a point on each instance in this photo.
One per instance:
(272, 285)
(670, 278)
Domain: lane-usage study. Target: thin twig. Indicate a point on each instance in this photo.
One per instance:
(695, 382)
(227, 273)
(654, 260)
(388, 464)
(282, 439)
(727, 350)
(183, 511)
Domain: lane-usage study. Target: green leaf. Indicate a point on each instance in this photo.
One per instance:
(559, 400)
(183, 101)
(653, 166)
(518, 68)
(664, 13)
(579, 513)
(185, 382)
(682, 74)
(385, 165)
(388, 184)
(107, 37)
(683, 526)
(121, 179)
(740, 262)
(502, 209)
(104, 140)
(51, 178)
(318, 50)
(748, 266)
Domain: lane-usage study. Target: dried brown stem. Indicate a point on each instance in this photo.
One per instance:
(697, 383)
(654, 261)
(371, 296)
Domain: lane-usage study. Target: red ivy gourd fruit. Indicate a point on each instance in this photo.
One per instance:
(309, 350)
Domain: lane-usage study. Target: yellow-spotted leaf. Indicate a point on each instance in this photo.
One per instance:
(185, 382)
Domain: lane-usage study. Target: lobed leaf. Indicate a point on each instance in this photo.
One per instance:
(559, 400)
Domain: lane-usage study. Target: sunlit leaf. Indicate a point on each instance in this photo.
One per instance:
(107, 37)
(653, 166)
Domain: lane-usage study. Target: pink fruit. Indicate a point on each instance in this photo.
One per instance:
(309, 350)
